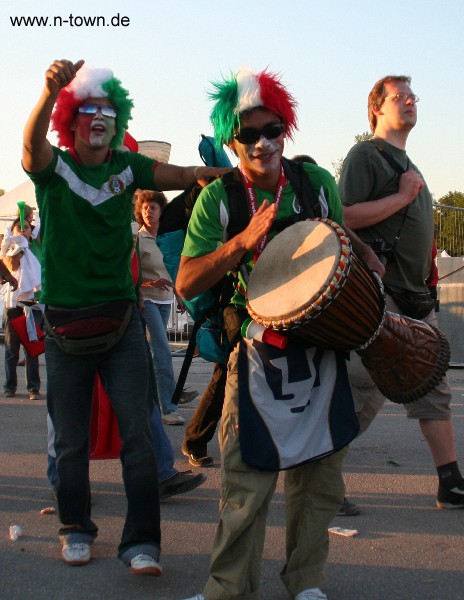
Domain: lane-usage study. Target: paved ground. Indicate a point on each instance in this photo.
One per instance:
(405, 550)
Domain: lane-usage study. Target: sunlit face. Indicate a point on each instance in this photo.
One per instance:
(395, 114)
(96, 130)
(262, 158)
(151, 213)
(26, 232)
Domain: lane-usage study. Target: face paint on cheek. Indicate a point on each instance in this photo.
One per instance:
(95, 140)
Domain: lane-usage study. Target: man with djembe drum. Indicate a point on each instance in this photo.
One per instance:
(277, 401)
(389, 205)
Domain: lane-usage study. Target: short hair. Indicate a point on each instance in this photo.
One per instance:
(304, 158)
(377, 96)
(143, 196)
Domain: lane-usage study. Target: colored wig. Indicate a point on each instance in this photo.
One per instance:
(244, 91)
(91, 82)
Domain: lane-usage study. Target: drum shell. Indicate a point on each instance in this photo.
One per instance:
(347, 309)
(408, 358)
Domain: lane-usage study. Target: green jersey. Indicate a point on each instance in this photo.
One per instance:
(85, 214)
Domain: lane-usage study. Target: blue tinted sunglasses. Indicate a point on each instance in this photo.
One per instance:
(92, 109)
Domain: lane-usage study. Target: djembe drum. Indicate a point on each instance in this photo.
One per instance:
(309, 284)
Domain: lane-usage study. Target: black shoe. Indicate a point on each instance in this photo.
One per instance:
(180, 484)
(186, 396)
(197, 459)
(348, 509)
(450, 497)
(9, 393)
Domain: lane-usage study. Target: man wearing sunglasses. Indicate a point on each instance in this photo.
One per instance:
(253, 114)
(388, 203)
(84, 194)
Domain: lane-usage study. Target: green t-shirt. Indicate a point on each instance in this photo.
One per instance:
(85, 215)
(366, 176)
(207, 228)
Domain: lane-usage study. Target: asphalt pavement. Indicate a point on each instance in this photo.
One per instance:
(405, 548)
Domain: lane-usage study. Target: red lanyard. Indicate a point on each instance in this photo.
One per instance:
(254, 204)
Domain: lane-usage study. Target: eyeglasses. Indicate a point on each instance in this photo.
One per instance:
(250, 135)
(92, 109)
(403, 97)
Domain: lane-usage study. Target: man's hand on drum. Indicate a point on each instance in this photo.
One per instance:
(366, 253)
(372, 262)
(258, 226)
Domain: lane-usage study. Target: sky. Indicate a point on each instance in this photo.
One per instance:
(329, 54)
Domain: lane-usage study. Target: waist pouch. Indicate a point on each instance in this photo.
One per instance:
(413, 305)
(90, 330)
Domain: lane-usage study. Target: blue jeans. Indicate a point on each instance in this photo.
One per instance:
(12, 347)
(156, 318)
(161, 443)
(125, 376)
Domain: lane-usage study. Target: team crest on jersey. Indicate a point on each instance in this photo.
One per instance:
(116, 185)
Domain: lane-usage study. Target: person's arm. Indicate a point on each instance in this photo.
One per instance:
(365, 252)
(37, 150)
(197, 274)
(365, 214)
(172, 177)
(7, 277)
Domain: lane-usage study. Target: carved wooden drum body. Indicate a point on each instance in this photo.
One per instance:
(309, 284)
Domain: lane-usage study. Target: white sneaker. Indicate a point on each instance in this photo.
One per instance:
(143, 564)
(174, 418)
(311, 594)
(197, 597)
(76, 554)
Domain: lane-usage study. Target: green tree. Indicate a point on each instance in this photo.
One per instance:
(363, 137)
(449, 223)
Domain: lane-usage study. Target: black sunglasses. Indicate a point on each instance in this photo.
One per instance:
(250, 135)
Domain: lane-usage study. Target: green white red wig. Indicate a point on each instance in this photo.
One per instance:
(90, 82)
(244, 91)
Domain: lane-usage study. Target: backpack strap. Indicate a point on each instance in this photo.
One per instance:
(395, 165)
(303, 188)
(239, 211)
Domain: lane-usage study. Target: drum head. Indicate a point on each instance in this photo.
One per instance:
(295, 269)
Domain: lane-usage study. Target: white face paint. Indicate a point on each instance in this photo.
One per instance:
(261, 160)
(101, 131)
(95, 130)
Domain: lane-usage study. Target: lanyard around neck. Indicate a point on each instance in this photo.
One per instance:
(253, 203)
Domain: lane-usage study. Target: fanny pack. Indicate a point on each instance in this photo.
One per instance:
(90, 330)
(412, 304)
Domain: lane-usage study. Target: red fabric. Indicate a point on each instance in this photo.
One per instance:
(32, 348)
(104, 431)
(130, 142)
